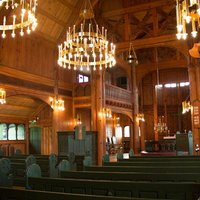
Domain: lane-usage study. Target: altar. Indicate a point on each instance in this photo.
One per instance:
(179, 143)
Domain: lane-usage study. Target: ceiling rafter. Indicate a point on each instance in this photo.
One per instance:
(147, 42)
(138, 8)
(66, 3)
(50, 16)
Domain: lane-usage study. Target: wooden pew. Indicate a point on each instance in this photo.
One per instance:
(19, 194)
(149, 169)
(154, 163)
(180, 191)
(132, 176)
(162, 158)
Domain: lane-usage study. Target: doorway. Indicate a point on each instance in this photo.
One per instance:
(35, 140)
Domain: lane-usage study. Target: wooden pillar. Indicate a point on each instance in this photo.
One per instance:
(99, 121)
(155, 106)
(193, 72)
(136, 138)
(142, 124)
(142, 133)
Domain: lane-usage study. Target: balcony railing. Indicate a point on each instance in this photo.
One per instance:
(115, 93)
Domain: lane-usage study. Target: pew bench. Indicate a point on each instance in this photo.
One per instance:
(162, 158)
(139, 189)
(132, 176)
(149, 169)
(19, 194)
(154, 163)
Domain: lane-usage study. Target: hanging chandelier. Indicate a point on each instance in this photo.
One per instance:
(86, 47)
(2, 96)
(23, 16)
(57, 104)
(132, 58)
(187, 18)
(161, 126)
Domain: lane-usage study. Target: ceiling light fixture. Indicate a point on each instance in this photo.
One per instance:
(187, 17)
(86, 47)
(23, 16)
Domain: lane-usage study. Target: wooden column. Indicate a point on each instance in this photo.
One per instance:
(142, 132)
(155, 106)
(142, 124)
(136, 138)
(99, 121)
(193, 72)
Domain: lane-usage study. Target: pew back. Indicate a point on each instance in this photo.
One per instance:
(181, 191)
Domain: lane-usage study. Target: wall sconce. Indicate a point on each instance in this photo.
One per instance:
(2, 96)
(106, 113)
(77, 121)
(140, 117)
(186, 106)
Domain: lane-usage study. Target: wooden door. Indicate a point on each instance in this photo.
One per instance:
(35, 140)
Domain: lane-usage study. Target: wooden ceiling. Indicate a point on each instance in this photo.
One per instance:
(20, 107)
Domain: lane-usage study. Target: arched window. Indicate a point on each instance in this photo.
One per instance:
(3, 131)
(12, 132)
(127, 131)
(20, 132)
(118, 133)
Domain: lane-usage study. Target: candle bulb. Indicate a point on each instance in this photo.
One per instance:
(74, 32)
(4, 21)
(89, 30)
(102, 31)
(97, 29)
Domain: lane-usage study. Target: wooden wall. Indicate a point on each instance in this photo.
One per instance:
(33, 55)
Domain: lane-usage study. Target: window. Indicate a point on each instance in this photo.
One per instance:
(118, 132)
(12, 131)
(183, 84)
(127, 131)
(83, 78)
(170, 85)
(3, 131)
(20, 132)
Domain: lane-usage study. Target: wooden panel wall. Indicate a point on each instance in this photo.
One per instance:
(33, 55)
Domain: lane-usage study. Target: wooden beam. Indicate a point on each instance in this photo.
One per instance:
(143, 69)
(13, 119)
(155, 22)
(139, 8)
(147, 42)
(16, 107)
(52, 17)
(38, 110)
(66, 3)
(6, 116)
(11, 72)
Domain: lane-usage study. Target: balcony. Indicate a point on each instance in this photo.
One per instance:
(116, 96)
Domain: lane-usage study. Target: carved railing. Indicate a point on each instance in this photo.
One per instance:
(118, 96)
(115, 96)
